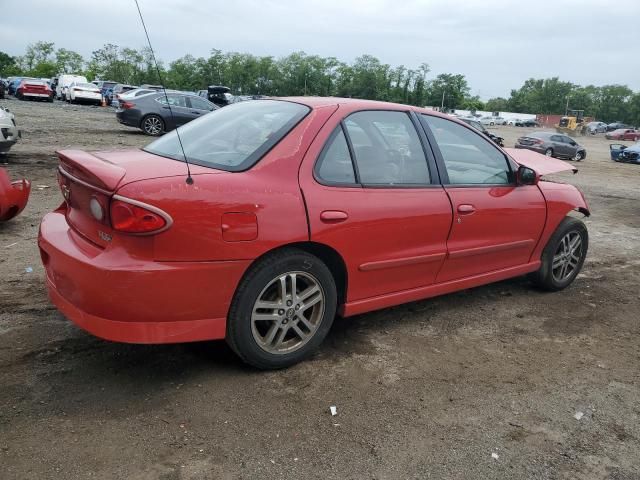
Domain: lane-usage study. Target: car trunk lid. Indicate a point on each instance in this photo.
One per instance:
(542, 164)
(88, 181)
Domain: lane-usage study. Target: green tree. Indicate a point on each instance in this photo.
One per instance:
(449, 90)
(497, 104)
(68, 61)
(8, 65)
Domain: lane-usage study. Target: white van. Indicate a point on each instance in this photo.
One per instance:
(63, 84)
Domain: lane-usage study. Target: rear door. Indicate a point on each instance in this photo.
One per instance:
(179, 113)
(373, 195)
(559, 146)
(496, 224)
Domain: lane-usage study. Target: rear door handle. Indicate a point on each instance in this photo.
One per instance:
(196, 113)
(333, 216)
(466, 209)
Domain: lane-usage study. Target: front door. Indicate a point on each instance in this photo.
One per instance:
(373, 195)
(496, 224)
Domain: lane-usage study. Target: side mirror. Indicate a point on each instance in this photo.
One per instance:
(526, 176)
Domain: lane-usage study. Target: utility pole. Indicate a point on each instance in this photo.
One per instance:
(566, 110)
(442, 105)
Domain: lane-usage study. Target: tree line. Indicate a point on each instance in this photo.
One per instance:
(302, 74)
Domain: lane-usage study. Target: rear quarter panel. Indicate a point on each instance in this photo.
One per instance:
(269, 191)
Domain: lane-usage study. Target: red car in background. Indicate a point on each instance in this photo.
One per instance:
(13, 196)
(299, 209)
(624, 134)
(34, 90)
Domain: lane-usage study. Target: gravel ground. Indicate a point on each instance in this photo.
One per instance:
(481, 384)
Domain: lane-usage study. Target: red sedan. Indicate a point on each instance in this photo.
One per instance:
(299, 209)
(34, 90)
(13, 196)
(624, 134)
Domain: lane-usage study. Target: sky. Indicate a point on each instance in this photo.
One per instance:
(496, 44)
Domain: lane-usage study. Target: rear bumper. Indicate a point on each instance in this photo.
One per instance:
(129, 117)
(121, 298)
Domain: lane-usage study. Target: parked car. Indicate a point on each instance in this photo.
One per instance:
(514, 122)
(34, 90)
(623, 134)
(82, 92)
(624, 153)
(3, 88)
(15, 83)
(552, 145)
(64, 80)
(9, 132)
(531, 122)
(491, 121)
(104, 85)
(219, 95)
(152, 87)
(479, 126)
(151, 113)
(616, 125)
(112, 95)
(596, 127)
(298, 209)
(136, 92)
(14, 196)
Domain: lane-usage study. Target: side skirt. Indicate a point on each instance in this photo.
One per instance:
(405, 296)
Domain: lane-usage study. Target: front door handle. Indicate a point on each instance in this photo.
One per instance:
(466, 209)
(333, 216)
(195, 113)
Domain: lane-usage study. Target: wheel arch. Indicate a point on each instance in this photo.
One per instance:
(331, 258)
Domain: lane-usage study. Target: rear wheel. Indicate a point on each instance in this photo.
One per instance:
(549, 152)
(564, 255)
(282, 310)
(152, 125)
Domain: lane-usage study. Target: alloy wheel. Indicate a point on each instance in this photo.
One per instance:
(153, 126)
(578, 156)
(287, 312)
(567, 256)
(548, 152)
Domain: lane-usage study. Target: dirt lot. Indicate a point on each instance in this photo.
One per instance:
(427, 390)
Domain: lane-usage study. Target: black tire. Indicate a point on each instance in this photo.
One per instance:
(549, 152)
(148, 124)
(239, 322)
(579, 156)
(544, 277)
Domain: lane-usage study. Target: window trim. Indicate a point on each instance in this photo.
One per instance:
(430, 161)
(442, 168)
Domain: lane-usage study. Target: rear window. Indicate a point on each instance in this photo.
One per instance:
(232, 138)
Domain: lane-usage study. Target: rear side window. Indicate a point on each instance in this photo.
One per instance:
(334, 164)
(232, 138)
(470, 159)
(387, 149)
(173, 100)
(200, 104)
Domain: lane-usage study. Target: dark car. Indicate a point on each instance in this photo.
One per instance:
(2, 88)
(152, 113)
(219, 95)
(479, 126)
(616, 126)
(624, 153)
(111, 94)
(530, 123)
(552, 145)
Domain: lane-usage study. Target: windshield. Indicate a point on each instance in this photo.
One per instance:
(232, 138)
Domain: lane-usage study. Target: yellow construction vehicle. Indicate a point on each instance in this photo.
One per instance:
(572, 124)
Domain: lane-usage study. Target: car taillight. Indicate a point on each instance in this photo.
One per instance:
(134, 218)
(125, 105)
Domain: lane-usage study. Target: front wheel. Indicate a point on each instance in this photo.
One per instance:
(153, 125)
(549, 152)
(578, 156)
(564, 255)
(282, 310)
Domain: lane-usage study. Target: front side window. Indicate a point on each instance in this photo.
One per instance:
(470, 159)
(200, 104)
(387, 149)
(232, 138)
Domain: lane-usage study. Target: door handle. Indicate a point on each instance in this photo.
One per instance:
(333, 216)
(466, 209)
(195, 113)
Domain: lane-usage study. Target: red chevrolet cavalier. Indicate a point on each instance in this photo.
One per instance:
(300, 208)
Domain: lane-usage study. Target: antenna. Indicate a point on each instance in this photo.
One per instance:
(164, 90)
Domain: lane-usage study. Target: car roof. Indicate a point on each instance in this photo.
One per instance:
(318, 102)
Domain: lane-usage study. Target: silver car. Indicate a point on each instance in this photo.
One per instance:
(9, 132)
(596, 127)
(552, 145)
